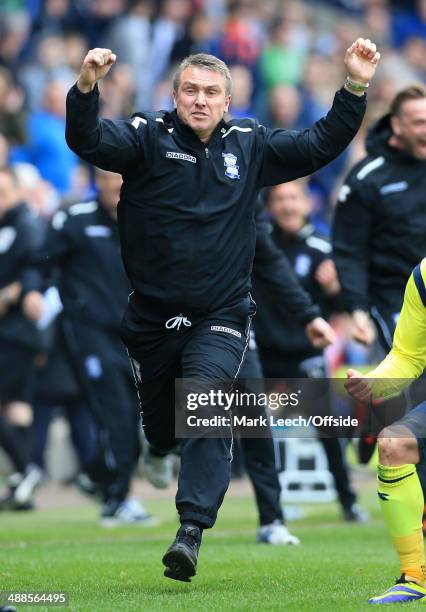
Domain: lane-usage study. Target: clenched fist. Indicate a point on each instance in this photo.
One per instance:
(361, 61)
(96, 65)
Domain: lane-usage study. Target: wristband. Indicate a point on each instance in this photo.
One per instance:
(356, 86)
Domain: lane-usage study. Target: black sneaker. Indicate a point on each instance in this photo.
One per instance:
(181, 557)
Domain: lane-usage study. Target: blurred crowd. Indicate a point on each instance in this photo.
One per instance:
(285, 59)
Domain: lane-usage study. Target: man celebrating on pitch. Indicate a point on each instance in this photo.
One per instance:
(186, 222)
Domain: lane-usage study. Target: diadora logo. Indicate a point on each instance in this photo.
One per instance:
(176, 322)
(184, 156)
(230, 163)
(225, 330)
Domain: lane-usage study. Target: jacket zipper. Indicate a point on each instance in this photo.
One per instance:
(193, 272)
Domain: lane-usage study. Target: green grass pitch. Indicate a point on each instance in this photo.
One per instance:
(337, 567)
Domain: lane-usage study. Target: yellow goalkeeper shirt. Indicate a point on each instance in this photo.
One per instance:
(407, 359)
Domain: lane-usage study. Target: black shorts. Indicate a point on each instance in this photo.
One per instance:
(17, 373)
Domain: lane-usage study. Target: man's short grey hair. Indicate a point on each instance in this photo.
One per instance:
(208, 62)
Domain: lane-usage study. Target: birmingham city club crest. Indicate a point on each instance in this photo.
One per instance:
(230, 163)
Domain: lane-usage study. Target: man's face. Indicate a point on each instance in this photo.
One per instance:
(9, 193)
(201, 100)
(409, 127)
(108, 185)
(290, 206)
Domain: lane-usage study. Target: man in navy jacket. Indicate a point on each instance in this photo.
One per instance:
(186, 221)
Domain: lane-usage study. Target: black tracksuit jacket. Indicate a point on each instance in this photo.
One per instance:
(20, 235)
(277, 326)
(82, 243)
(379, 232)
(186, 213)
(277, 282)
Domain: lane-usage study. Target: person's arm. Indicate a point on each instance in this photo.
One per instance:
(59, 242)
(30, 236)
(111, 145)
(273, 269)
(288, 155)
(407, 359)
(351, 232)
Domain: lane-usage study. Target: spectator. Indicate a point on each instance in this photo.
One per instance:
(284, 348)
(14, 35)
(46, 147)
(46, 67)
(168, 28)
(285, 106)
(12, 123)
(20, 341)
(240, 42)
(131, 36)
(281, 62)
(241, 103)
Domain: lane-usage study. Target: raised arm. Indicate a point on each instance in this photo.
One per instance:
(288, 155)
(111, 145)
